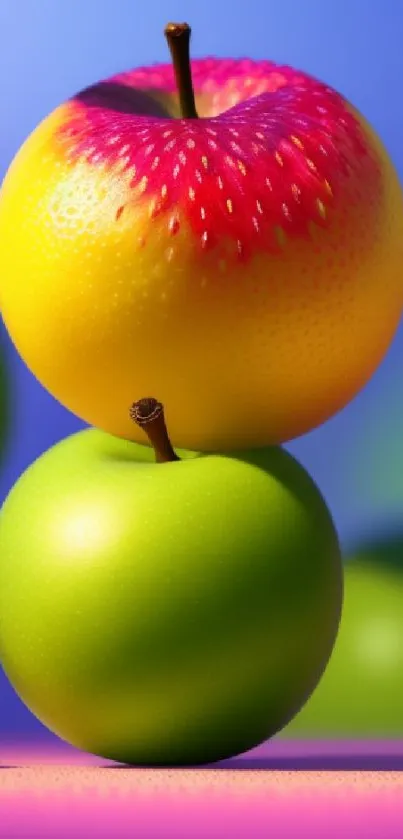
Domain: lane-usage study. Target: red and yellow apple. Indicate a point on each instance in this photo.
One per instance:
(245, 265)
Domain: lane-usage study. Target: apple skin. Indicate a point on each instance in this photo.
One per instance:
(245, 266)
(166, 614)
(361, 693)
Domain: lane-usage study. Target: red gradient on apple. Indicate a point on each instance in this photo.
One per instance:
(295, 167)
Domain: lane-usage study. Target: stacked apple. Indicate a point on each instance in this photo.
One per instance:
(177, 603)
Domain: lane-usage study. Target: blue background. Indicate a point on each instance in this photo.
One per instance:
(49, 50)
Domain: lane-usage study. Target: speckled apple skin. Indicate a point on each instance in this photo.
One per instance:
(244, 268)
(166, 614)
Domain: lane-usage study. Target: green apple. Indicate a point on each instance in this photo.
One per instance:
(166, 611)
(361, 692)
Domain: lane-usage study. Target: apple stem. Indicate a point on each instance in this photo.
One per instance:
(149, 415)
(178, 37)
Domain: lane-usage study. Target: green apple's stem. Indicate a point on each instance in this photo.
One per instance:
(149, 415)
(178, 37)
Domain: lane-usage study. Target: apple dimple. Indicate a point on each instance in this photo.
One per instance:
(259, 172)
(218, 83)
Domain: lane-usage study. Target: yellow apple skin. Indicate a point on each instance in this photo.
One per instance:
(107, 306)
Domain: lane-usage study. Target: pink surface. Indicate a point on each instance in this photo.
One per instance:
(63, 793)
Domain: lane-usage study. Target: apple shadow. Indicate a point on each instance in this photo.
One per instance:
(310, 763)
(118, 97)
(343, 762)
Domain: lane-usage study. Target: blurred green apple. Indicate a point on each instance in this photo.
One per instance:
(172, 612)
(361, 692)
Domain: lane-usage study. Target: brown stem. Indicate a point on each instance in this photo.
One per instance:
(149, 415)
(178, 37)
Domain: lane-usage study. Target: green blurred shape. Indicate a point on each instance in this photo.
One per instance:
(360, 694)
